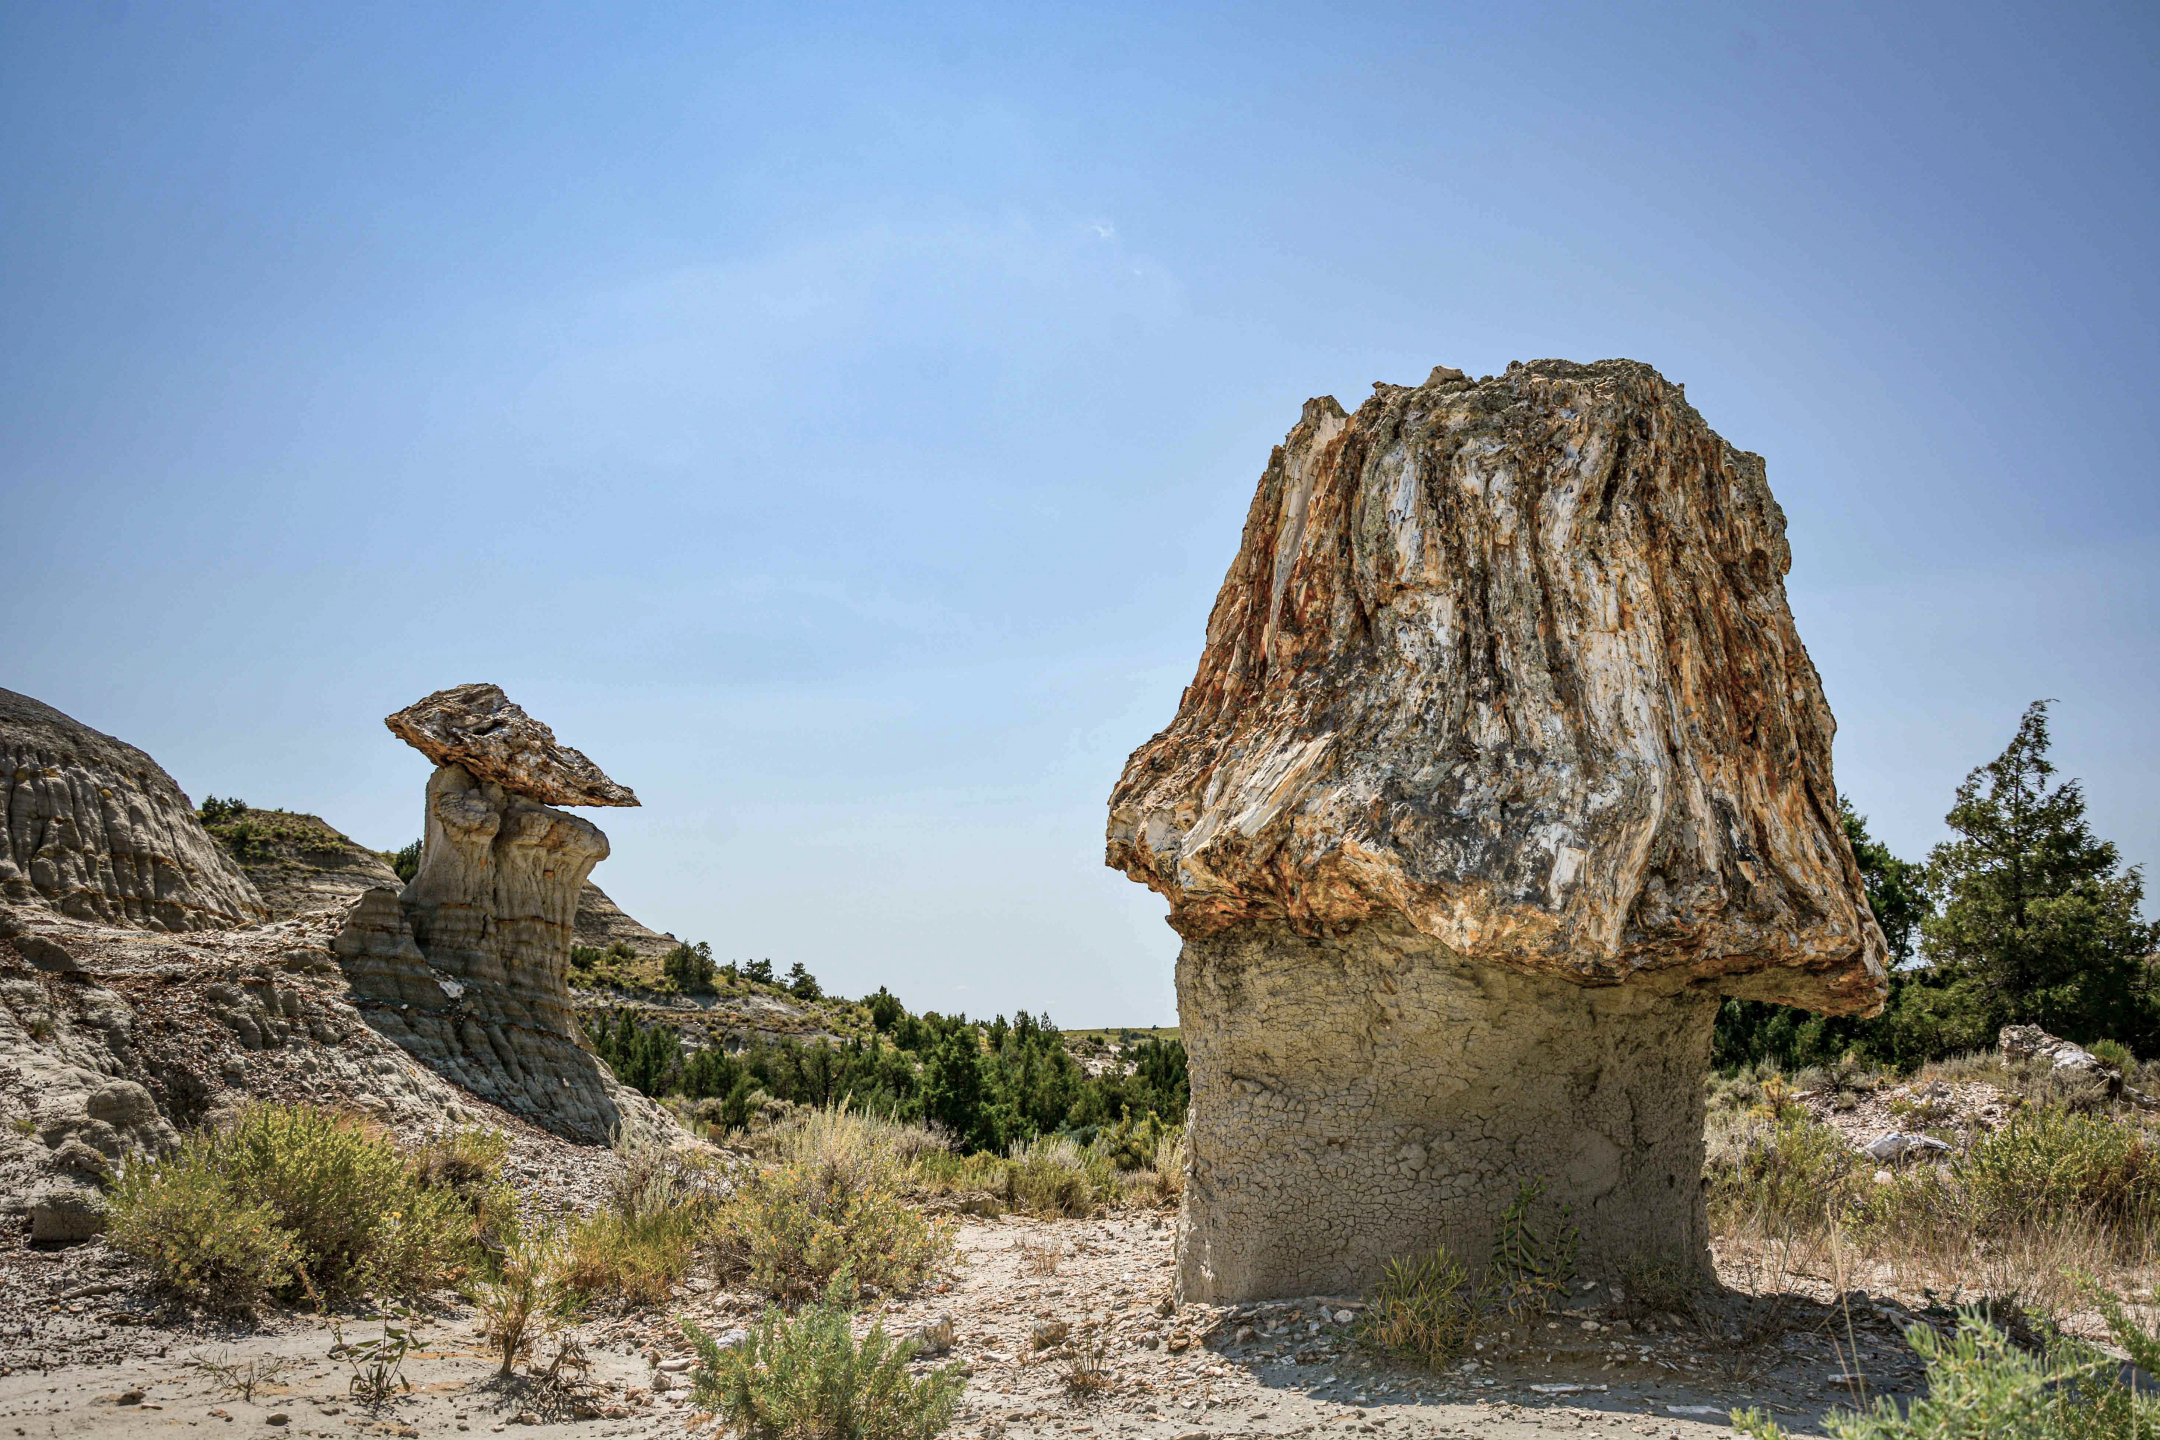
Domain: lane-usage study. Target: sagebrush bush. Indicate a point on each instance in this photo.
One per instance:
(1793, 1176)
(354, 1212)
(360, 1217)
(833, 1201)
(179, 1220)
(806, 1376)
(2047, 1164)
(1984, 1386)
(1053, 1176)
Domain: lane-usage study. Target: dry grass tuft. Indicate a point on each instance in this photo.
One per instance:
(1039, 1256)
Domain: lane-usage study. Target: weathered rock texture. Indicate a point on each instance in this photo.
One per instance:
(601, 923)
(95, 829)
(468, 967)
(299, 863)
(479, 729)
(1503, 762)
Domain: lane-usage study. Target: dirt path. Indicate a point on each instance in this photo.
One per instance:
(1266, 1370)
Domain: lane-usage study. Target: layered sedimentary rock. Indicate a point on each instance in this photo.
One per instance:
(300, 864)
(601, 923)
(95, 829)
(1503, 762)
(468, 966)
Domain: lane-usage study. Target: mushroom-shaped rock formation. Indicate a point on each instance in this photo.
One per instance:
(1503, 763)
(92, 827)
(468, 967)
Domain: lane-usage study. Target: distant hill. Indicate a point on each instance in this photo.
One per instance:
(299, 863)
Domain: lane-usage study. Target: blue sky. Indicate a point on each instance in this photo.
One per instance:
(837, 421)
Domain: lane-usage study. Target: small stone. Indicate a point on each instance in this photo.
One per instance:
(277, 1417)
(131, 1397)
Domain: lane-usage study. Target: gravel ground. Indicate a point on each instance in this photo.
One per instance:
(1285, 1368)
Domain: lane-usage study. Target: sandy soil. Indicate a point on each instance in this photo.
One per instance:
(94, 1357)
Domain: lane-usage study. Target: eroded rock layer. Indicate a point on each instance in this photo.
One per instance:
(1368, 1097)
(95, 829)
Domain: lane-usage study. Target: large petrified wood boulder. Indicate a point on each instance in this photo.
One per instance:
(1503, 763)
(92, 827)
(468, 967)
(483, 732)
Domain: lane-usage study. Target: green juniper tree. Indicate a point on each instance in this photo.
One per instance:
(2036, 919)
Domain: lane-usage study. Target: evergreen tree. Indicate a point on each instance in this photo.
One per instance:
(885, 1009)
(956, 1092)
(2037, 921)
(689, 967)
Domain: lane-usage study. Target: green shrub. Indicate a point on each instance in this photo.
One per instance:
(359, 1215)
(180, 1221)
(405, 862)
(219, 812)
(2115, 1053)
(635, 1261)
(463, 1160)
(1424, 1308)
(689, 968)
(355, 1212)
(808, 1377)
(1531, 1264)
(1793, 1176)
(637, 1249)
(1983, 1386)
(2047, 1165)
(1052, 1176)
(833, 1202)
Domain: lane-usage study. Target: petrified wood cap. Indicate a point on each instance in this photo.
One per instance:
(480, 729)
(1510, 661)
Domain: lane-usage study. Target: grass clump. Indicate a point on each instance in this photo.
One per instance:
(638, 1248)
(1424, 1308)
(1427, 1307)
(1054, 1176)
(807, 1376)
(292, 1200)
(832, 1202)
